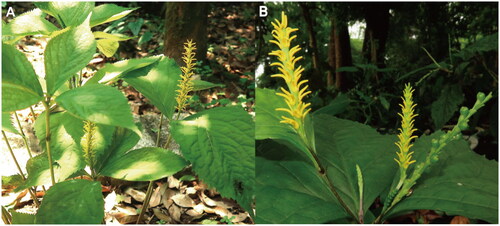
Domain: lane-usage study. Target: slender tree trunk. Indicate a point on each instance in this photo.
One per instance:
(376, 32)
(183, 21)
(343, 57)
(316, 78)
(331, 59)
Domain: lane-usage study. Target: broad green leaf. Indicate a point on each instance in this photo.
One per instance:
(121, 141)
(12, 180)
(71, 14)
(68, 53)
(108, 12)
(7, 123)
(201, 85)
(146, 37)
(116, 37)
(461, 183)
(45, 7)
(67, 159)
(113, 72)
(20, 86)
(446, 105)
(335, 107)
(99, 104)
(292, 192)
(144, 164)
(220, 144)
(341, 145)
(72, 202)
(135, 26)
(29, 23)
(22, 218)
(267, 120)
(159, 84)
(107, 46)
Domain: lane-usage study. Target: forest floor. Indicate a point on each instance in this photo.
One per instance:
(180, 198)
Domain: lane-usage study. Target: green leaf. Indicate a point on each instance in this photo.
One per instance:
(66, 132)
(72, 202)
(291, 192)
(146, 37)
(29, 23)
(201, 85)
(108, 12)
(461, 183)
(108, 46)
(446, 105)
(341, 145)
(71, 13)
(267, 120)
(122, 140)
(20, 86)
(158, 83)
(335, 107)
(116, 37)
(66, 54)
(220, 144)
(22, 218)
(99, 104)
(135, 26)
(113, 72)
(384, 102)
(12, 180)
(145, 164)
(7, 123)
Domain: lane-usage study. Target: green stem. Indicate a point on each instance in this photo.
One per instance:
(149, 192)
(6, 217)
(47, 138)
(33, 113)
(33, 195)
(324, 176)
(23, 135)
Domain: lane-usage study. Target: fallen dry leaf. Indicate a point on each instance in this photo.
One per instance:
(175, 212)
(162, 216)
(183, 200)
(460, 220)
(136, 194)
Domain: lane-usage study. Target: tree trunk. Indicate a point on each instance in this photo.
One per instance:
(376, 32)
(331, 59)
(183, 21)
(316, 79)
(343, 57)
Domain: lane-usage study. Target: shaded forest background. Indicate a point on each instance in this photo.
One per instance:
(358, 56)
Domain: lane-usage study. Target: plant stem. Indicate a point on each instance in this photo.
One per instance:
(6, 217)
(149, 192)
(33, 195)
(23, 135)
(47, 137)
(33, 113)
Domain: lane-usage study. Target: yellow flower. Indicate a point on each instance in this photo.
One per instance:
(406, 131)
(88, 142)
(186, 85)
(297, 89)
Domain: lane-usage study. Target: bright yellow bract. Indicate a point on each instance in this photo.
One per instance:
(186, 85)
(406, 131)
(297, 109)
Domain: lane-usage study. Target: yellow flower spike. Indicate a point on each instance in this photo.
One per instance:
(186, 85)
(406, 131)
(88, 142)
(286, 65)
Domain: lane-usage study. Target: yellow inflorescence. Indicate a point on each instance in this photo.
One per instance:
(88, 142)
(186, 85)
(286, 65)
(406, 131)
